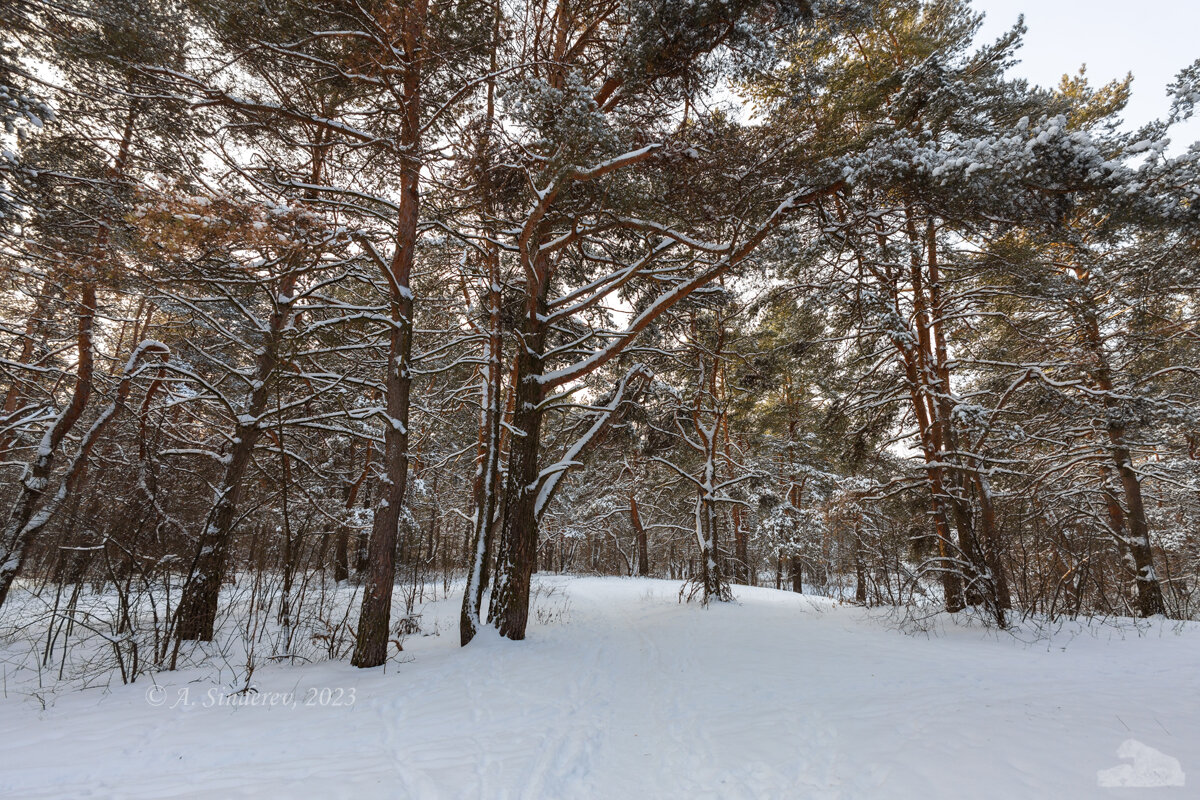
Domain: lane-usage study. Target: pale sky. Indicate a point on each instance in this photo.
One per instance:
(1153, 39)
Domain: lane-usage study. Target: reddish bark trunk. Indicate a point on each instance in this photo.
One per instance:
(370, 648)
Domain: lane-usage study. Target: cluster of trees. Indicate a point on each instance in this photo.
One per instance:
(725, 290)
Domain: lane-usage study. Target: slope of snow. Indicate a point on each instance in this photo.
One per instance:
(622, 692)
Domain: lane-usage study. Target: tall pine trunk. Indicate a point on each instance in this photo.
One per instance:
(371, 642)
(370, 648)
(1136, 540)
(488, 462)
(517, 555)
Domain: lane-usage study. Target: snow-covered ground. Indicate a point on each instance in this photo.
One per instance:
(622, 692)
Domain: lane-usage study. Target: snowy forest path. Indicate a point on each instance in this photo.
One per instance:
(620, 690)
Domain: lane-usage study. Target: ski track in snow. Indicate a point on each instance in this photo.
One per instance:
(635, 695)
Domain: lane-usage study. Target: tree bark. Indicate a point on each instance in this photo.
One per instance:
(993, 550)
(515, 560)
(37, 474)
(488, 462)
(15, 536)
(639, 530)
(1149, 590)
(860, 572)
(1137, 539)
(741, 548)
(370, 647)
(341, 554)
(197, 611)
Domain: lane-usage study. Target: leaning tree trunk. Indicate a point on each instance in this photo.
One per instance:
(15, 536)
(197, 612)
(77, 466)
(37, 474)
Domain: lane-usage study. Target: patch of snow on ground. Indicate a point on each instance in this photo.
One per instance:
(622, 692)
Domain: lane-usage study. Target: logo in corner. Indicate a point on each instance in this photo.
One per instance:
(1149, 768)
